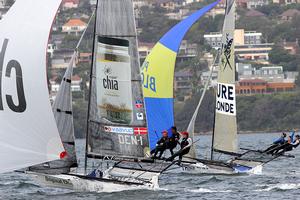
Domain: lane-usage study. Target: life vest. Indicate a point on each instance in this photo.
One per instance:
(184, 143)
(173, 138)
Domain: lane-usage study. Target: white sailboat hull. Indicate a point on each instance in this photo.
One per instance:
(205, 169)
(73, 182)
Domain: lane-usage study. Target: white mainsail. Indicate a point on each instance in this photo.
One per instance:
(225, 131)
(28, 130)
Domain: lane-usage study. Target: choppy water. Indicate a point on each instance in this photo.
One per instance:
(280, 180)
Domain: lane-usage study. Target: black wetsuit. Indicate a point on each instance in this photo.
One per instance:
(285, 147)
(280, 141)
(290, 147)
(173, 141)
(161, 147)
(185, 145)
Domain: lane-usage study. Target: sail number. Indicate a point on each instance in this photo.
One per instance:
(225, 101)
(12, 65)
(149, 82)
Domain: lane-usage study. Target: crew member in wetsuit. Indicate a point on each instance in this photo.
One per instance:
(173, 140)
(287, 145)
(277, 143)
(185, 145)
(161, 145)
(291, 146)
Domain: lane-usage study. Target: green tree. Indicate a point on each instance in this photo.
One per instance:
(280, 56)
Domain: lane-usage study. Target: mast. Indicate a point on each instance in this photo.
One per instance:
(90, 91)
(213, 137)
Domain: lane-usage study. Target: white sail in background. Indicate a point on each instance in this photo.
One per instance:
(191, 127)
(28, 130)
(63, 114)
(225, 131)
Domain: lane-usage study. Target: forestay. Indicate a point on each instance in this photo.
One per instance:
(28, 131)
(225, 131)
(117, 123)
(158, 77)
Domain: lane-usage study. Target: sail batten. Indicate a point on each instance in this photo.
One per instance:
(225, 127)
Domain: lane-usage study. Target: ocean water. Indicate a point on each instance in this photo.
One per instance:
(280, 180)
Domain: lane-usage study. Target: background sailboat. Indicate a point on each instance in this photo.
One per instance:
(225, 126)
(158, 75)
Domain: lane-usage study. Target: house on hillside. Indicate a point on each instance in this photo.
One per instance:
(268, 79)
(69, 4)
(254, 52)
(286, 2)
(288, 15)
(85, 57)
(183, 82)
(61, 58)
(74, 26)
(169, 4)
(139, 3)
(241, 37)
(145, 48)
(76, 82)
(252, 4)
(259, 86)
(292, 47)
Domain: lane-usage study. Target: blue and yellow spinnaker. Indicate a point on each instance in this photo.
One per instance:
(158, 75)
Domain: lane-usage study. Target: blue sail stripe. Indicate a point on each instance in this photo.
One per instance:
(173, 38)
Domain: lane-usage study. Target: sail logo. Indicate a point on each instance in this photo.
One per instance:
(110, 82)
(12, 66)
(149, 82)
(227, 50)
(225, 100)
(121, 130)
